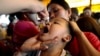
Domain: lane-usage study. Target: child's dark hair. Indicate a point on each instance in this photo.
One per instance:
(86, 8)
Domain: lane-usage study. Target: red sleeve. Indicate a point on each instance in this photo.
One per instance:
(94, 40)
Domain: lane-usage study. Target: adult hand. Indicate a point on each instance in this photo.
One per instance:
(35, 44)
(43, 14)
(40, 9)
(31, 44)
(74, 27)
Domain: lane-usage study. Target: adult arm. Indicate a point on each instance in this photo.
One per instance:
(34, 43)
(85, 46)
(31, 44)
(11, 6)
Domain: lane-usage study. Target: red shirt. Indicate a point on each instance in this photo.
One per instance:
(22, 31)
(74, 48)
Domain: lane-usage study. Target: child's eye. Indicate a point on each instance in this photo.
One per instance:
(56, 23)
(56, 10)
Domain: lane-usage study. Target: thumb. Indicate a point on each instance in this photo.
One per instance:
(43, 47)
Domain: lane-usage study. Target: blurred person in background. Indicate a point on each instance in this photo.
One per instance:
(10, 27)
(87, 11)
(89, 24)
(74, 15)
(97, 16)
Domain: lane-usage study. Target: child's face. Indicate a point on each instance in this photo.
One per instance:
(58, 27)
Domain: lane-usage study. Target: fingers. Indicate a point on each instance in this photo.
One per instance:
(34, 44)
(74, 27)
(43, 14)
(43, 46)
(26, 46)
(48, 43)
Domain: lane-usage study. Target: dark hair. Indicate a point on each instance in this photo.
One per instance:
(89, 24)
(11, 18)
(74, 11)
(74, 15)
(10, 25)
(21, 15)
(63, 3)
(96, 15)
(86, 8)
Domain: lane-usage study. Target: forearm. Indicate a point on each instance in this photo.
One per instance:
(11, 6)
(29, 44)
(85, 46)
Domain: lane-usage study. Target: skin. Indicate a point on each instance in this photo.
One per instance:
(87, 12)
(45, 39)
(12, 6)
(62, 35)
(85, 46)
(56, 10)
(53, 29)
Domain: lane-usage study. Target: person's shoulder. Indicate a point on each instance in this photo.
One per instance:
(91, 36)
(94, 40)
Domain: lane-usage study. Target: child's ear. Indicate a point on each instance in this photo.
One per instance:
(67, 38)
